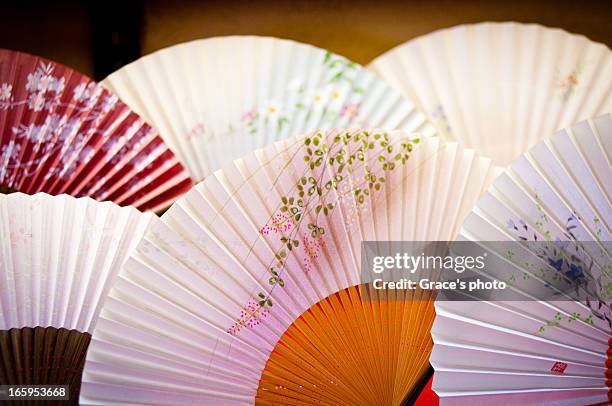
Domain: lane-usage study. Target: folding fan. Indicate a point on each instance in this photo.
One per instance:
(500, 87)
(217, 99)
(58, 258)
(63, 133)
(248, 289)
(538, 351)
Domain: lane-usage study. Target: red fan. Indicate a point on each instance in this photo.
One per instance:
(63, 133)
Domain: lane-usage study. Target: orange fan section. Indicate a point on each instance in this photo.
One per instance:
(351, 349)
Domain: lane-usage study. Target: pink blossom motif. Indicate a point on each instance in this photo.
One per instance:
(250, 316)
(5, 92)
(312, 251)
(350, 110)
(568, 83)
(249, 115)
(15, 237)
(196, 131)
(280, 223)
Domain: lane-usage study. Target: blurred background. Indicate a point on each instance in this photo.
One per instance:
(99, 37)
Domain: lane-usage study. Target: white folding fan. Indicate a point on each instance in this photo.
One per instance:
(217, 99)
(500, 87)
(60, 132)
(248, 290)
(538, 351)
(58, 258)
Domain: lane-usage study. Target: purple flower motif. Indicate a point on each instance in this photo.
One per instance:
(575, 272)
(562, 245)
(556, 263)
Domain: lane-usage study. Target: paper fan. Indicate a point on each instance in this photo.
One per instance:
(58, 258)
(500, 87)
(534, 351)
(217, 99)
(249, 288)
(63, 133)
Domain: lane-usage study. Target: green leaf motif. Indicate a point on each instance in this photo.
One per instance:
(347, 157)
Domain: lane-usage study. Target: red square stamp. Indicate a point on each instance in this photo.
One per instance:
(558, 368)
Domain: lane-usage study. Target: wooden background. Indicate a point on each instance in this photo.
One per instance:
(100, 36)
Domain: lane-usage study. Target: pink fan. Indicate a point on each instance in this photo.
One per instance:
(63, 133)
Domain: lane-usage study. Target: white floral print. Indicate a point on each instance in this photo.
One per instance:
(338, 95)
(5, 92)
(44, 89)
(36, 101)
(8, 157)
(88, 94)
(110, 102)
(73, 122)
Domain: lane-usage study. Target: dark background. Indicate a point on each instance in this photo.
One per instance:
(100, 36)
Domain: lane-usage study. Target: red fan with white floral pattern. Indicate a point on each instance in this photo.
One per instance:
(63, 133)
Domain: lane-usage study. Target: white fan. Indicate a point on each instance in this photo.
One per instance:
(500, 87)
(217, 99)
(538, 351)
(59, 256)
(249, 288)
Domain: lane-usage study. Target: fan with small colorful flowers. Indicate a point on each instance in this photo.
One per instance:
(499, 88)
(248, 290)
(217, 99)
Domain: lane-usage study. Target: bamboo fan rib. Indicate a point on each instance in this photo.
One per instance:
(266, 252)
(539, 351)
(321, 359)
(43, 356)
(500, 87)
(59, 256)
(217, 99)
(63, 133)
